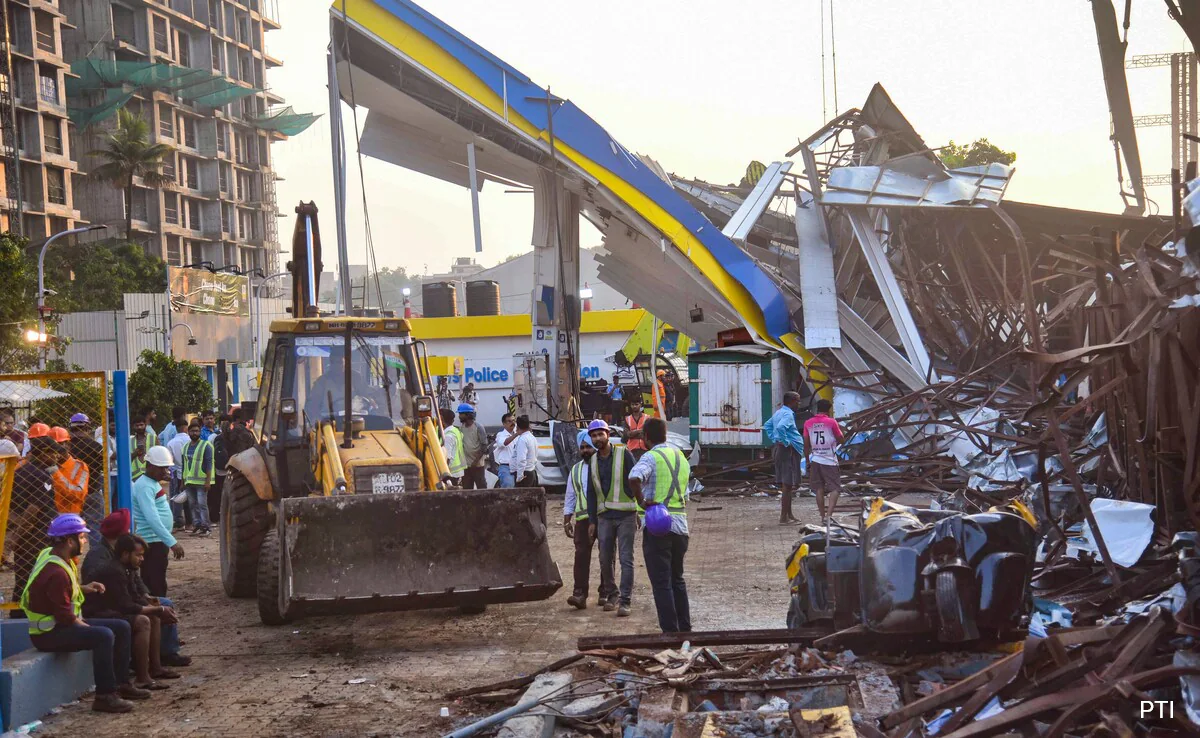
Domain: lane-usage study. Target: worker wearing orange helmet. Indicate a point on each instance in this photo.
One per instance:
(71, 478)
(660, 395)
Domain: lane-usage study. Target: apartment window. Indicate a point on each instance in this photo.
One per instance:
(124, 25)
(139, 209)
(45, 32)
(53, 135)
(223, 177)
(214, 14)
(226, 218)
(174, 251)
(218, 56)
(162, 40)
(171, 208)
(192, 172)
(166, 121)
(193, 214)
(56, 188)
(244, 190)
(246, 225)
(222, 138)
(168, 168)
(48, 84)
(58, 225)
(183, 47)
(187, 130)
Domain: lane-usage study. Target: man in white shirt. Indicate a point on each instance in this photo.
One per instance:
(180, 511)
(502, 450)
(524, 460)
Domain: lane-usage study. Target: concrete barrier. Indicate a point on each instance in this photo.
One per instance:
(33, 683)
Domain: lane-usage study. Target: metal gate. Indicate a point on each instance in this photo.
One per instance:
(79, 484)
(730, 404)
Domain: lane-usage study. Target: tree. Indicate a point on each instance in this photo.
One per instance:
(162, 382)
(976, 154)
(103, 273)
(17, 304)
(83, 396)
(129, 154)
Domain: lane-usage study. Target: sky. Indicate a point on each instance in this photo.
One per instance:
(705, 87)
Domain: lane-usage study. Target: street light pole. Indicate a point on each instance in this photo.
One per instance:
(41, 296)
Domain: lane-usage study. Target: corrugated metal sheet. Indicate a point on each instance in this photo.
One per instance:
(730, 404)
(97, 340)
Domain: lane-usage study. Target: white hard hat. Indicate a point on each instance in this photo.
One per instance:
(159, 456)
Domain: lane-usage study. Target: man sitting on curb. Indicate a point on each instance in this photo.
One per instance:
(119, 599)
(113, 527)
(53, 602)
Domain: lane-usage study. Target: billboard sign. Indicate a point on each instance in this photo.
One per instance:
(198, 291)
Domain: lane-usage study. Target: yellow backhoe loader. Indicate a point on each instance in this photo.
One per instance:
(345, 505)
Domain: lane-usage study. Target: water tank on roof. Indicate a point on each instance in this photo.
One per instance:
(439, 300)
(483, 297)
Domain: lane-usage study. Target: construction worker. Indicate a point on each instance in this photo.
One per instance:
(452, 445)
(617, 516)
(660, 395)
(53, 603)
(143, 438)
(661, 478)
(198, 475)
(474, 448)
(71, 478)
(579, 520)
(634, 421)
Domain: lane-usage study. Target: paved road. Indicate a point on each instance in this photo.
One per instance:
(249, 679)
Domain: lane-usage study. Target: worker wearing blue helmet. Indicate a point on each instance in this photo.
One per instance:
(474, 448)
(579, 521)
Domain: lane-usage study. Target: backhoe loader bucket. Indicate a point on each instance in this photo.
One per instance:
(417, 550)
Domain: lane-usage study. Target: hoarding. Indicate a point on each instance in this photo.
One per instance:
(198, 291)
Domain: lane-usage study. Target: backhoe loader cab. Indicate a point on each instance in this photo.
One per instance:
(345, 505)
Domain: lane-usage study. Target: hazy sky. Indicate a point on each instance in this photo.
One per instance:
(706, 86)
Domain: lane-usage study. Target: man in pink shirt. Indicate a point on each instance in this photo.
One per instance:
(821, 437)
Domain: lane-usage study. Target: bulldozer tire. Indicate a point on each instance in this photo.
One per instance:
(952, 615)
(268, 581)
(244, 521)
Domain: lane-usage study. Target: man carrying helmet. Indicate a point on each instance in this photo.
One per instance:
(661, 478)
(474, 448)
(579, 520)
(53, 603)
(615, 514)
(152, 519)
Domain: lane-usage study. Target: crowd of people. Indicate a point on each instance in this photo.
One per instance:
(103, 588)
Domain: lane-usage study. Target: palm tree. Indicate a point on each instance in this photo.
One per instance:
(129, 154)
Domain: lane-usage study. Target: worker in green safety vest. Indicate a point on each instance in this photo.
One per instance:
(143, 438)
(198, 475)
(580, 524)
(452, 445)
(53, 603)
(617, 520)
(661, 478)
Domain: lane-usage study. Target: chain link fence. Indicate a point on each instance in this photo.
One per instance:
(43, 476)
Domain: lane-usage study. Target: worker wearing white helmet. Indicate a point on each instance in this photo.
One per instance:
(152, 518)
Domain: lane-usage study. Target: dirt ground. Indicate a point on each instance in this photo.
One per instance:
(249, 679)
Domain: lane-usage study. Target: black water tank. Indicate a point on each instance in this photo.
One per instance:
(483, 297)
(439, 300)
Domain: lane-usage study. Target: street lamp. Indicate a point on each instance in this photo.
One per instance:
(585, 294)
(407, 292)
(41, 297)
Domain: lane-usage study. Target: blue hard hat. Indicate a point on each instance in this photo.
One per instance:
(597, 424)
(584, 438)
(465, 408)
(66, 524)
(658, 520)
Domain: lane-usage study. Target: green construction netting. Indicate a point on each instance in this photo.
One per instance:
(284, 120)
(123, 79)
(114, 99)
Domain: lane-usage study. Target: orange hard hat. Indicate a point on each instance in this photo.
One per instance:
(38, 430)
(662, 372)
(62, 435)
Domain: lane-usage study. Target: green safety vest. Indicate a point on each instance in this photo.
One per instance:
(39, 623)
(193, 463)
(613, 498)
(139, 465)
(671, 475)
(456, 463)
(581, 506)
